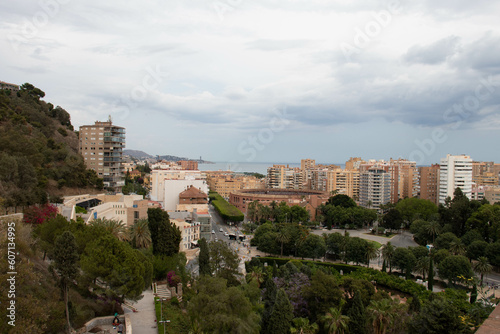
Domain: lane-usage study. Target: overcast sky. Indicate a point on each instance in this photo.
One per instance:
(269, 81)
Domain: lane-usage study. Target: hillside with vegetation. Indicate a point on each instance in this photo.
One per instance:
(38, 150)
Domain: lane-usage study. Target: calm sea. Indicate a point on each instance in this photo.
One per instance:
(251, 167)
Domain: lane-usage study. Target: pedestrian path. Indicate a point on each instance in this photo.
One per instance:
(144, 320)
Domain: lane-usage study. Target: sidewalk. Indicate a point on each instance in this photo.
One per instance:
(143, 321)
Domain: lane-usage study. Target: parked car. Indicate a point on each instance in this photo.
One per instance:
(213, 232)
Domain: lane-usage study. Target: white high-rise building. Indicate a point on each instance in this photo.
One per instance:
(455, 172)
(374, 187)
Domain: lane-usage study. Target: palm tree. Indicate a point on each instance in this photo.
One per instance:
(433, 229)
(140, 234)
(257, 275)
(386, 313)
(282, 237)
(372, 252)
(335, 322)
(388, 253)
(302, 326)
(457, 247)
(113, 226)
(482, 267)
(422, 266)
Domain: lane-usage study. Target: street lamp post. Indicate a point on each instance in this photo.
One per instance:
(161, 314)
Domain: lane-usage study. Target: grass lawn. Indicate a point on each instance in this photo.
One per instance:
(377, 244)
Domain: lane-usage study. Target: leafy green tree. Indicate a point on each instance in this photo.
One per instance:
(120, 268)
(486, 221)
(335, 322)
(281, 317)
(392, 220)
(49, 231)
(342, 201)
(313, 247)
(299, 214)
(438, 316)
(322, 294)
(456, 212)
(218, 308)
(454, 266)
(416, 208)
(483, 267)
(476, 249)
(493, 253)
(140, 236)
(335, 244)
(470, 236)
(204, 257)
(404, 260)
(303, 326)
(224, 262)
(65, 258)
(356, 250)
(444, 240)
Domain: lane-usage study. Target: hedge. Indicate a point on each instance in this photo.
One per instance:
(227, 211)
(383, 279)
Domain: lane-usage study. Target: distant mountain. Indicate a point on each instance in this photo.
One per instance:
(143, 155)
(137, 154)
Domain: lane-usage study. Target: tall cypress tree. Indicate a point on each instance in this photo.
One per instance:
(65, 256)
(204, 258)
(269, 298)
(281, 317)
(431, 274)
(357, 314)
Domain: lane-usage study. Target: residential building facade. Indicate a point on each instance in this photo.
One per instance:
(455, 172)
(101, 146)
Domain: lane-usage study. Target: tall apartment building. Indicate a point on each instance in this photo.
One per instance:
(353, 163)
(403, 176)
(345, 182)
(307, 164)
(101, 146)
(285, 177)
(455, 172)
(374, 187)
(407, 179)
(485, 173)
(429, 183)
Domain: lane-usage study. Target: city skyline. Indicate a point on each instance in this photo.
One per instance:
(260, 82)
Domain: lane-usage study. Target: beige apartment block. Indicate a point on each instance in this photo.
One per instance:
(224, 183)
(101, 146)
(354, 163)
(492, 194)
(190, 233)
(285, 177)
(344, 182)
